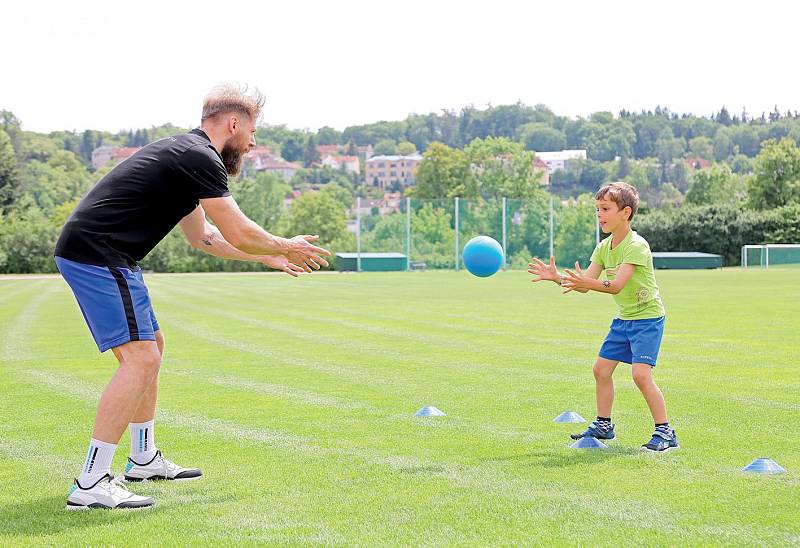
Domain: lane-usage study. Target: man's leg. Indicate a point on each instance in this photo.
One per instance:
(139, 362)
(146, 462)
(142, 426)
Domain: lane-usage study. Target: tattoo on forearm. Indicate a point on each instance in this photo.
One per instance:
(207, 241)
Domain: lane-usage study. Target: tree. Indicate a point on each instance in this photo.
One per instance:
(503, 168)
(385, 147)
(776, 175)
(701, 147)
(328, 136)
(406, 148)
(444, 172)
(261, 198)
(540, 137)
(8, 172)
(575, 238)
(293, 149)
(319, 213)
(311, 155)
(709, 186)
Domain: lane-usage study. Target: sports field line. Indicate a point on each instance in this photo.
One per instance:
(14, 336)
(270, 389)
(488, 479)
(420, 340)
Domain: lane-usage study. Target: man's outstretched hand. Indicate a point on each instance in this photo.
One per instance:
(282, 263)
(306, 255)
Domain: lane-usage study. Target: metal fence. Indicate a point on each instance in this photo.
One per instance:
(431, 234)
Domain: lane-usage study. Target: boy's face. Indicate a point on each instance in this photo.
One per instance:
(610, 215)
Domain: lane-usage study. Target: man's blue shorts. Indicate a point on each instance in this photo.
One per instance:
(633, 341)
(114, 302)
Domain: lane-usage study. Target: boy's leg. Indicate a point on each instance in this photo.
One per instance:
(602, 428)
(643, 377)
(604, 385)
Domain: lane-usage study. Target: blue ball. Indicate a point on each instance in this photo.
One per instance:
(483, 256)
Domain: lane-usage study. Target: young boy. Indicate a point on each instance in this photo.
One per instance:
(635, 334)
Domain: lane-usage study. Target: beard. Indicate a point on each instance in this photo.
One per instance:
(233, 156)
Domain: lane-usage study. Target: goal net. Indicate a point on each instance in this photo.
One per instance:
(771, 255)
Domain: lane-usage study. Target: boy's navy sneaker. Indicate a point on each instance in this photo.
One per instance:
(662, 441)
(596, 430)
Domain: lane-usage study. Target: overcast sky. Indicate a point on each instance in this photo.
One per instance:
(116, 65)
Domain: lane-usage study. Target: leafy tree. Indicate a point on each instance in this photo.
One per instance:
(386, 147)
(540, 137)
(714, 185)
(406, 148)
(503, 168)
(8, 172)
(701, 147)
(319, 213)
(311, 155)
(575, 237)
(328, 136)
(776, 175)
(261, 198)
(444, 172)
(293, 148)
(339, 193)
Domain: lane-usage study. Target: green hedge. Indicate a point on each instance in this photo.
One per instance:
(718, 229)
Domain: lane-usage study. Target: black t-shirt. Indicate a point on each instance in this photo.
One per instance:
(131, 209)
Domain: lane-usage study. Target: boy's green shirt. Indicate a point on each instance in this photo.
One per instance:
(639, 299)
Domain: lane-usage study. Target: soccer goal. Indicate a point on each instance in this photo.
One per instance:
(765, 256)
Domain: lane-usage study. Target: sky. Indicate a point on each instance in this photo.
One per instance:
(116, 65)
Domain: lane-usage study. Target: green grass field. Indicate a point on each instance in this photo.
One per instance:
(296, 398)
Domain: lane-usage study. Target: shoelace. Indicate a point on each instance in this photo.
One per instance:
(169, 466)
(114, 486)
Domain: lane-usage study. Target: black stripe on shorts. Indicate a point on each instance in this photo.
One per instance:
(127, 302)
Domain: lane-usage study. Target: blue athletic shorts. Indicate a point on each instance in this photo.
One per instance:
(114, 302)
(633, 341)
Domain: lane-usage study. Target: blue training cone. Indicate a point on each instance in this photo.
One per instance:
(589, 443)
(764, 466)
(429, 411)
(569, 416)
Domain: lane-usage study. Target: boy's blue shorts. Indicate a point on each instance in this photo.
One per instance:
(114, 302)
(633, 341)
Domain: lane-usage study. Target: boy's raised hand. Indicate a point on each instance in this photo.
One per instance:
(544, 271)
(574, 280)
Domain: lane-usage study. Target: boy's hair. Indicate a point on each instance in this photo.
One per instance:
(232, 98)
(622, 194)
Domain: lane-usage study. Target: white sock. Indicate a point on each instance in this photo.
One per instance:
(143, 441)
(98, 462)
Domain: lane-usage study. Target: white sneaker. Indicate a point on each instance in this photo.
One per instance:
(107, 493)
(159, 468)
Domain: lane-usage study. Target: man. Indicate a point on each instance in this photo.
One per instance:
(177, 180)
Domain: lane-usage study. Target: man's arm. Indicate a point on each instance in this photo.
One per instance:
(577, 280)
(204, 236)
(245, 235)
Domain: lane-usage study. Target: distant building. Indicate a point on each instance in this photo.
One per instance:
(285, 170)
(697, 163)
(540, 166)
(350, 164)
(560, 159)
(122, 154)
(260, 156)
(101, 156)
(364, 153)
(291, 197)
(384, 171)
(389, 204)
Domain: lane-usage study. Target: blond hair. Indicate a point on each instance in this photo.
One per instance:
(229, 97)
(622, 194)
